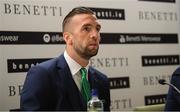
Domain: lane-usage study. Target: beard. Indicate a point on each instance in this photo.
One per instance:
(86, 52)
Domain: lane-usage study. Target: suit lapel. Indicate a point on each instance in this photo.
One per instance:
(92, 78)
(72, 92)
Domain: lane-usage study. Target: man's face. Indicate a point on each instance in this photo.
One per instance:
(85, 35)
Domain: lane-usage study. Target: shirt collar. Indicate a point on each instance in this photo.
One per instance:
(73, 65)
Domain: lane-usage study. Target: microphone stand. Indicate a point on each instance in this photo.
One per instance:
(162, 81)
(173, 87)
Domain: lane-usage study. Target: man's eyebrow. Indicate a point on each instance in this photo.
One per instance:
(87, 25)
(98, 25)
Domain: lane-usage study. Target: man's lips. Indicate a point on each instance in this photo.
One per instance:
(93, 44)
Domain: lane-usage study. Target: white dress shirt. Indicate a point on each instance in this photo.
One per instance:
(74, 69)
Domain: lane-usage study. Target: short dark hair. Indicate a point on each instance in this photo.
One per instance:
(75, 11)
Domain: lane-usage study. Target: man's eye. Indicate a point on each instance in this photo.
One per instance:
(87, 29)
(98, 29)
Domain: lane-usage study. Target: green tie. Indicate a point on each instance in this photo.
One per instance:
(85, 87)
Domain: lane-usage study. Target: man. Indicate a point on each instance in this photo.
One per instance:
(173, 97)
(56, 84)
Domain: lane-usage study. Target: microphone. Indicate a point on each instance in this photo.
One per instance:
(163, 82)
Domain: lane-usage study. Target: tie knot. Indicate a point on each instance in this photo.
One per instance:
(83, 72)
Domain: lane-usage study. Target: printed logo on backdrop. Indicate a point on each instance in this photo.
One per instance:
(158, 16)
(13, 37)
(141, 38)
(109, 13)
(14, 90)
(31, 9)
(23, 65)
(119, 82)
(121, 103)
(170, 1)
(153, 79)
(160, 60)
(155, 99)
(109, 62)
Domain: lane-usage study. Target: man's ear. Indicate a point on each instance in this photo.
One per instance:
(67, 37)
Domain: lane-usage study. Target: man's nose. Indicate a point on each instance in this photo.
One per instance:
(95, 34)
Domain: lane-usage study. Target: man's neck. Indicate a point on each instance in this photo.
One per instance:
(83, 62)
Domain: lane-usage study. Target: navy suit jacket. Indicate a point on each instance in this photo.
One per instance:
(50, 86)
(173, 97)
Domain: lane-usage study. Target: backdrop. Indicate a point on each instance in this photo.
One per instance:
(140, 45)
